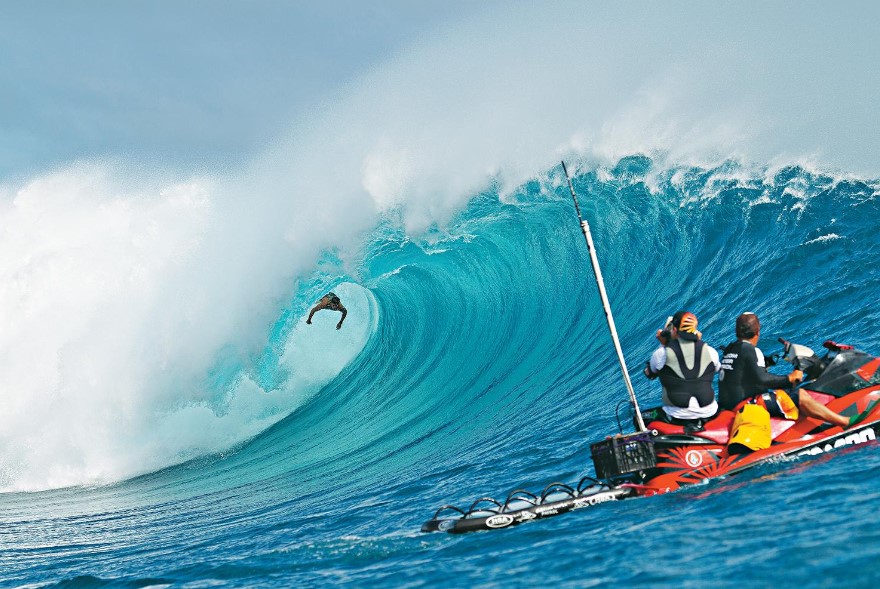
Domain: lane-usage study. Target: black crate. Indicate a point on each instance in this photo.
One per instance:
(621, 455)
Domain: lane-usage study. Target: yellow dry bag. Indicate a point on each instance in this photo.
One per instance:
(751, 428)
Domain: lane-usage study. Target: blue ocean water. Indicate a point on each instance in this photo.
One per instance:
(485, 367)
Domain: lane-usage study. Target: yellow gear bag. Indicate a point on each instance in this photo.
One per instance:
(751, 427)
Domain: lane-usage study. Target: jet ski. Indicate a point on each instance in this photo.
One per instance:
(845, 379)
(668, 456)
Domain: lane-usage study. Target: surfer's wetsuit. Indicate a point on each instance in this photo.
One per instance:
(744, 375)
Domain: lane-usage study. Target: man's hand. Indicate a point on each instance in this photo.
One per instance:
(795, 377)
(339, 325)
(308, 321)
(660, 337)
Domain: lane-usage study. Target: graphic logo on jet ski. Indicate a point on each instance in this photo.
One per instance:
(853, 439)
(592, 500)
(694, 458)
(499, 521)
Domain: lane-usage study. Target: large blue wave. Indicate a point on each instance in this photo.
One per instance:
(488, 367)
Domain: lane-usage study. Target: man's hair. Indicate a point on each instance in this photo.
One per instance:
(747, 326)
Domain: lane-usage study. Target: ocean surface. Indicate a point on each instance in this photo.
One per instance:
(474, 360)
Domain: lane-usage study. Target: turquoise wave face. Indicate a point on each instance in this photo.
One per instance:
(485, 365)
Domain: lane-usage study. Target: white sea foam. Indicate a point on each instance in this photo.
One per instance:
(823, 238)
(119, 297)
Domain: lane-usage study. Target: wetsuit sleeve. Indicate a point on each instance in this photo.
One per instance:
(758, 374)
(658, 360)
(713, 354)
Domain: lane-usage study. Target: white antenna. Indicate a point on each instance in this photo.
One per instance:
(605, 304)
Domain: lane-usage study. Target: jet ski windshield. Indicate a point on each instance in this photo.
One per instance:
(849, 371)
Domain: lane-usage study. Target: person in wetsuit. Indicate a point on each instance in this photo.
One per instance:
(686, 366)
(332, 302)
(744, 376)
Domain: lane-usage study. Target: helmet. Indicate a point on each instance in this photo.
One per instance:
(685, 321)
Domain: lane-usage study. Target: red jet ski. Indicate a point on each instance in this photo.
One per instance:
(845, 379)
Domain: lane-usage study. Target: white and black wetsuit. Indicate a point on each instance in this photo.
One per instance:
(686, 367)
(744, 375)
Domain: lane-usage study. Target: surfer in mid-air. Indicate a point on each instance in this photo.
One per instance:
(332, 302)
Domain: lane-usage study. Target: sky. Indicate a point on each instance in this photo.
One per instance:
(196, 83)
(201, 85)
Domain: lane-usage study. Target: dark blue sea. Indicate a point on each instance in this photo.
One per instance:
(475, 359)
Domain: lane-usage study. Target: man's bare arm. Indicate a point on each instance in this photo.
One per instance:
(315, 309)
(344, 313)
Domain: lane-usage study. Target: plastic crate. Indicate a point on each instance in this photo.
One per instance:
(621, 455)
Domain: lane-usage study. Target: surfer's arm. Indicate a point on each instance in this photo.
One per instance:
(344, 312)
(315, 309)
